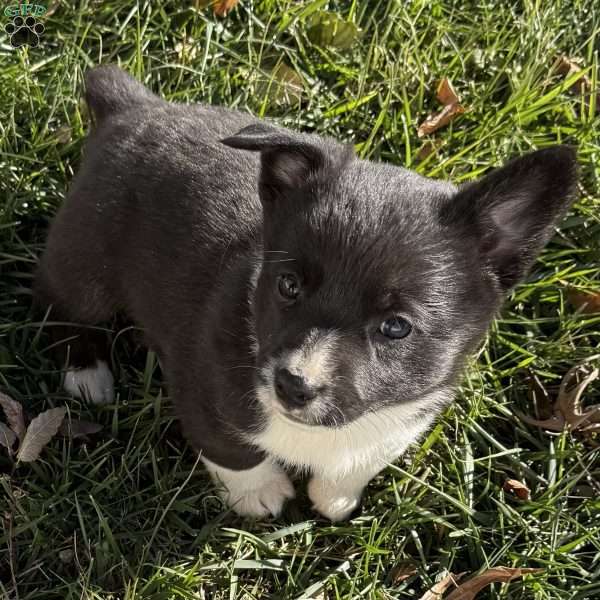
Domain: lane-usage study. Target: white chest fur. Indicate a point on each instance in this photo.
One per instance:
(370, 442)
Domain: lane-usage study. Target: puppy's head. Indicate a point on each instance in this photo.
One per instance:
(376, 282)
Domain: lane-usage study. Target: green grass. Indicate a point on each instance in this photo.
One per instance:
(130, 513)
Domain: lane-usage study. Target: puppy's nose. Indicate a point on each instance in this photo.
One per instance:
(293, 391)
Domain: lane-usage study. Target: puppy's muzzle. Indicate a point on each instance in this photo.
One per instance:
(293, 391)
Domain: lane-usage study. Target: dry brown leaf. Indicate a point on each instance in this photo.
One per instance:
(519, 489)
(445, 93)
(565, 66)
(7, 437)
(222, 7)
(402, 572)
(568, 411)
(469, 589)
(437, 591)
(585, 301)
(569, 398)
(40, 431)
(14, 414)
(447, 96)
(434, 122)
(75, 428)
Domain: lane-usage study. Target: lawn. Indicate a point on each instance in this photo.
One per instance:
(129, 513)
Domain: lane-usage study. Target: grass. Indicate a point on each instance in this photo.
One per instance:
(130, 513)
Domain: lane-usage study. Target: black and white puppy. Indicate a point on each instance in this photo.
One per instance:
(310, 309)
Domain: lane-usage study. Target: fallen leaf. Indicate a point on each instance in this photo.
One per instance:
(519, 489)
(565, 66)
(436, 592)
(445, 93)
(569, 398)
(402, 572)
(7, 437)
(583, 300)
(568, 411)
(74, 428)
(328, 29)
(447, 96)
(14, 414)
(440, 119)
(284, 86)
(469, 589)
(40, 431)
(222, 7)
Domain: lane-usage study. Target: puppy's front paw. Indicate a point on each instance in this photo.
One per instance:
(257, 492)
(332, 499)
(93, 383)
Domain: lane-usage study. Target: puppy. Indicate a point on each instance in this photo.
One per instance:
(310, 309)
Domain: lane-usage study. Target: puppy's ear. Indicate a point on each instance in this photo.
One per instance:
(289, 160)
(513, 210)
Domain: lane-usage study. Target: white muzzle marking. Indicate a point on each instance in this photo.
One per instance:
(313, 361)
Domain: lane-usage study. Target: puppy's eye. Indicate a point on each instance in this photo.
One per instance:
(288, 286)
(395, 328)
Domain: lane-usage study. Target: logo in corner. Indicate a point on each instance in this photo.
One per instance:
(25, 28)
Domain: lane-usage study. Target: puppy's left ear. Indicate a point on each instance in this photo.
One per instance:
(289, 160)
(513, 210)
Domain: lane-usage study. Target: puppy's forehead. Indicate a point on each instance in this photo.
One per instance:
(375, 200)
(374, 227)
(374, 184)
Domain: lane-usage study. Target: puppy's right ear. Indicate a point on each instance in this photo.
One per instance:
(512, 211)
(289, 160)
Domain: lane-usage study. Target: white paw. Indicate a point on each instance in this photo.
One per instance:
(332, 500)
(257, 492)
(93, 383)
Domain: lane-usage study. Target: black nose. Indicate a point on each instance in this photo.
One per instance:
(293, 391)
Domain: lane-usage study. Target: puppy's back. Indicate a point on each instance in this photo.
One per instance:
(158, 201)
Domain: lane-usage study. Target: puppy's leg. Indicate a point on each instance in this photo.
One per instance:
(74, 297)
(257, 492)
(88, 375)
(85, 353)
(246, 478)
(337, 496)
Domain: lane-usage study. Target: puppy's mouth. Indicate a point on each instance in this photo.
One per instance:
(307, 417)
(303, 418)
(291, 417)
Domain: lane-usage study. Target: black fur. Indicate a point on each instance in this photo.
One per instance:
(167, 223)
